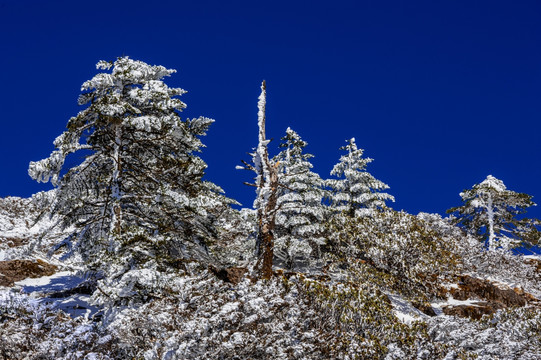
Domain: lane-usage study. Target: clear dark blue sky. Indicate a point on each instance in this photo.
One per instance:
(440, 93)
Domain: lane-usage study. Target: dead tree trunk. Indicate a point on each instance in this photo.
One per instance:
(267, 216)
(116, 209)
(267, 194)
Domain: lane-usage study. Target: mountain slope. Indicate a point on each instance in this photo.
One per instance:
(394, 286)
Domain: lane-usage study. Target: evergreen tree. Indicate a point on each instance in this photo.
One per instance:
(356, 192)
(490, 214)
(299, 221)
(138, 195)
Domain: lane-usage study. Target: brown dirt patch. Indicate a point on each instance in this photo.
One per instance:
(424, 307)
(474, 311)
(471, 288)
(17, 270)
(491, 298)
(232, 275)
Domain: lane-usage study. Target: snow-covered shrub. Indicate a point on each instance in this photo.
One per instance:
(32, 330)
(396, 250)
(27, 226)
(506, 335)
(502, 267)
(290, 316)
(284, 318)
(498, 266)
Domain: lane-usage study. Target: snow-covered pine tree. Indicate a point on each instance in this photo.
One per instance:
(490, 214)
(138, 195)
(266, 183)
(300, 216)
(356, 192)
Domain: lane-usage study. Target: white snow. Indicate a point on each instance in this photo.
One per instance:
(404, 311)
(41, 290)
(30, 285)
(229, 307)
(494, 183)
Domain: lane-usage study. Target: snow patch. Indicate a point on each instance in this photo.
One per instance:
(31, 285)
(404, 311)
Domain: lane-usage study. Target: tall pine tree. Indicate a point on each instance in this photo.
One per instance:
(356, 192)
(138, 195)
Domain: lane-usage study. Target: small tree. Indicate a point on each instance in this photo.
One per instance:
(138, 194)
(356, 192)
(490, 214)
(266, 184)
(299, 221)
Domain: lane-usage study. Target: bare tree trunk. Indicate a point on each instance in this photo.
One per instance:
(267, 195)
(116, 209)
(267, 224)
(490, 215)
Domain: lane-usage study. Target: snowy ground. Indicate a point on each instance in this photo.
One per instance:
(53, 290)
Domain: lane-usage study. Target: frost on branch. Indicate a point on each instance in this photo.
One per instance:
(47, 169)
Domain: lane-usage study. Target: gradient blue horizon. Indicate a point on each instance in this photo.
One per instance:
(439, 94)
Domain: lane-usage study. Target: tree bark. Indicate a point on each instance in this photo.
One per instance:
(267, 195)
(116, 210)
(267, 223)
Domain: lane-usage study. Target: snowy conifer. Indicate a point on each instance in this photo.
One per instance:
(138, 193)
(356, 192)
(489, 213)
(299, 221)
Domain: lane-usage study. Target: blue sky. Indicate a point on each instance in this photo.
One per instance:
(440, 94)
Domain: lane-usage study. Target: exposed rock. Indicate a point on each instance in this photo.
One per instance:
(471, 288)
(13, 241)
(475, 310)
(16, 270)
(491, 298)
(232, 275)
